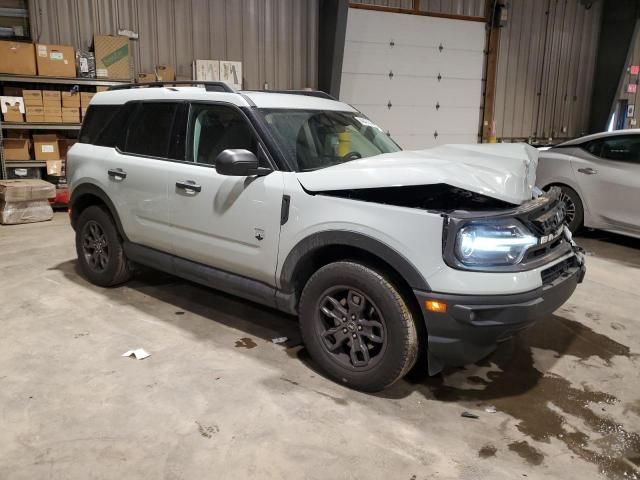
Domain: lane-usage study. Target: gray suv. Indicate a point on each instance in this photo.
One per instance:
(391, 259)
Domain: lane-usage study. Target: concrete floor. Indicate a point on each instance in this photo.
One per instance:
(217, 399)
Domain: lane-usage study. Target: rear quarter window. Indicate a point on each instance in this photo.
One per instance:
(95, 121)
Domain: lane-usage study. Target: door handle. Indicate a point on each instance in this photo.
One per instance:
(117, 173)
(188, 186)
(588, 171)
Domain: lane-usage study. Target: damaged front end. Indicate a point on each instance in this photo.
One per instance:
(513, 239)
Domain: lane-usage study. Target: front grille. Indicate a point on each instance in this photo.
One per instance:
(549, 275)
(549, 221)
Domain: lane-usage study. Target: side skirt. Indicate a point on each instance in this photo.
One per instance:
(231, 283)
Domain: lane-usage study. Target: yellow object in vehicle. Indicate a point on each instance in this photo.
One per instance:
(344, 143)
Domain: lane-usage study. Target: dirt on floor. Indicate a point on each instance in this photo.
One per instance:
(218, 398)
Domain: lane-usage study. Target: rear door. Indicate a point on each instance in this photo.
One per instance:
(137, 172)
(609, 176)
(229, 223)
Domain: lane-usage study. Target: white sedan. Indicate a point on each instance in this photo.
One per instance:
(599, 176)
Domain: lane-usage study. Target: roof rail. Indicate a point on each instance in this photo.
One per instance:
(209, 86)
(308, 93)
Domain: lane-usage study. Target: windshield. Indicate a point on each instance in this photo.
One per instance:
(314, 139)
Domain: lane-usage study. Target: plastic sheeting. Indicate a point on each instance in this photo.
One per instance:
(13, 213)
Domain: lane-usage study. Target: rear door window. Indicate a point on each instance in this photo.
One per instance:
(149, 131)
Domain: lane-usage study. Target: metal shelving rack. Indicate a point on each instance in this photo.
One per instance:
(28, 79)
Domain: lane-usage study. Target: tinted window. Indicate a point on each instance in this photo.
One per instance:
(626, 149)
(112, 135)
(216, 128)
(97, 117)
(594, 147)
(150, 129)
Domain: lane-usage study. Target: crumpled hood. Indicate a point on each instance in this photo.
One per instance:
(504, 171)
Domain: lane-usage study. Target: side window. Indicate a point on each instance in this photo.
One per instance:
(149, 129)
(594, 147)
(113, 131)
(624, 148)
(97, 117)
(215, 128)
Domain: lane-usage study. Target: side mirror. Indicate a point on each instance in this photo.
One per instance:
(239, 163)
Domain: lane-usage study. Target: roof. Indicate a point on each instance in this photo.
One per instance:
(241, 99)
(596, 136)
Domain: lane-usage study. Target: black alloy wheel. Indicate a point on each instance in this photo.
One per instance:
(351, 327)
(95, 246)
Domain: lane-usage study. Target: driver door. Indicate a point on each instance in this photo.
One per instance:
(226, 222)
(610, 179)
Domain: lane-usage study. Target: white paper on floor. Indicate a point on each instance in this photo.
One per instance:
(139, 353)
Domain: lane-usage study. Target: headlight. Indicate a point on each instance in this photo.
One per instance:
(493, 244)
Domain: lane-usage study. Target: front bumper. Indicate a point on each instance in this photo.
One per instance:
(473, 324)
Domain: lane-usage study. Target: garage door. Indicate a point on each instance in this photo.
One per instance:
(419, 78)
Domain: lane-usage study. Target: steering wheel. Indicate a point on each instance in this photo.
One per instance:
(352, 156)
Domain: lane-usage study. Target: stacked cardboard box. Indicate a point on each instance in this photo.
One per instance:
(85, 99)
(52, 103)
(33, 105)
(25, 201)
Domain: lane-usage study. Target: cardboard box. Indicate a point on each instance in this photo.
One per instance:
(112, 57)
(16, 149)
(51, 110)
(12, 109)
(45, 146)
(51, 98)
(70, 99)
(24, 190)
(53, 119)
(145, 77)
(70, 115)
(14, 213)
(32, 98)
(165, 73)
(55, 60)
(101, 88)
(35, 114)
(54, 167)
(183, 78)
(206, 70)
(85, 99)
(13, 116)
(17, 58)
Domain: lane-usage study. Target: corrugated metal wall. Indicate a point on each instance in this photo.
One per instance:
(471, 8)
(545, 69)
(277, 40)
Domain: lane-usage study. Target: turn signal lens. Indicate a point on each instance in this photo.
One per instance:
(435, 306)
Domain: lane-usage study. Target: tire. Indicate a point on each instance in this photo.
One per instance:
(357, 327)
(574, 208)
(99, 248)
